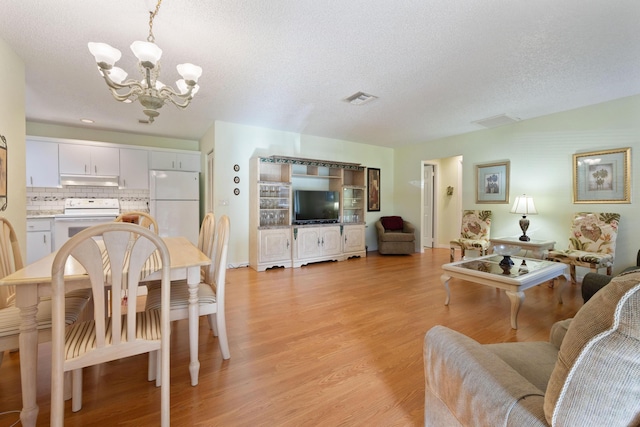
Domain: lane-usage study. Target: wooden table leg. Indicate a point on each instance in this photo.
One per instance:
(193, 281)
(516, 301)
(27, 301)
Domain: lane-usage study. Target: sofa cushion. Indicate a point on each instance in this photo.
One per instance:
(392, 223)
(533, 360)
(595, 380)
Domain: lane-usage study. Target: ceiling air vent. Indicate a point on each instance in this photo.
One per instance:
(360, 98)
(495, 121)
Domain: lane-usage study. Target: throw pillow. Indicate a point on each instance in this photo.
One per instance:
(392, 223)
(595, 380)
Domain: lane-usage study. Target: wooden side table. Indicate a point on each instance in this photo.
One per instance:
(535, 248)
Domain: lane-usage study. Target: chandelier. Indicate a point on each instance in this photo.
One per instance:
(149, 91)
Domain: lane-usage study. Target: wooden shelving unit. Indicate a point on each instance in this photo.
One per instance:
(274, 241)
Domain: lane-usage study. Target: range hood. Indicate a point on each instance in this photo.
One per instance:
(89, 180)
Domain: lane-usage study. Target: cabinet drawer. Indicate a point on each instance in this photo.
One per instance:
(39, 225)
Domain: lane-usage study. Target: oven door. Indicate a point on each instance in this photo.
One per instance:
(67, 227)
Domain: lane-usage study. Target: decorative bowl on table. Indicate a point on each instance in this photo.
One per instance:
(506, 251)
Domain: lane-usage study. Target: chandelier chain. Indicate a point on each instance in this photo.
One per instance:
(152, 15)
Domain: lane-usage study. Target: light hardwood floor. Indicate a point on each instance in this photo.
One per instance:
(331, 344)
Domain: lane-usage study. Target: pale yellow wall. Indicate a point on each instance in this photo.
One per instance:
(540, 151)
(12, 127)
(449, 207)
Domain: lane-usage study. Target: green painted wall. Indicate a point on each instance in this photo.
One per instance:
(540, 152)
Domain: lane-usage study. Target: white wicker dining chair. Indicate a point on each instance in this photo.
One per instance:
(211, 291)
(10, 262)
(117, 255)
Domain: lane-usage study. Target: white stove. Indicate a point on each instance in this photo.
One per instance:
(83, 213)
(90, 207)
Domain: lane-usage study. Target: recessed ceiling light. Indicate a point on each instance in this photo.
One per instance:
(360, 98)
(86, 121)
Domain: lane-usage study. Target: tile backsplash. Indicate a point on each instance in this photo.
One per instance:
(46, 200)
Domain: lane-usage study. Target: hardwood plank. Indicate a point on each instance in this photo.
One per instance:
(326, 344)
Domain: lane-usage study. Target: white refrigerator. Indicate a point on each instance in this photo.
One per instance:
(174, 198)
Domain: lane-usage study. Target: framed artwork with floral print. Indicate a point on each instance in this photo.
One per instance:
(602, 176)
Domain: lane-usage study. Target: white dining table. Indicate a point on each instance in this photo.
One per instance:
(34, 281)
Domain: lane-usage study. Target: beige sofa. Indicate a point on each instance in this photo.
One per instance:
(588, 374)
(395, 236)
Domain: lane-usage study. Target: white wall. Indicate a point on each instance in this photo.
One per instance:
(236, 144)
(12, 127)
(540, 151)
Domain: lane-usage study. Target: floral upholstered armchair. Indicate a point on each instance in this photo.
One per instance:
(592, 243)
(474, 233)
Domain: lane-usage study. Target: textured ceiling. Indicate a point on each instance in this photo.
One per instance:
(436, 65)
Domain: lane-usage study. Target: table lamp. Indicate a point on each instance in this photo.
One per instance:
(524, 206)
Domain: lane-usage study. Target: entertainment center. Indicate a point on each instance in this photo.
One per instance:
(305, 211)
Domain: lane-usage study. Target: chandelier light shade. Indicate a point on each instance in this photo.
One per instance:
(149, 91)
(524, 206)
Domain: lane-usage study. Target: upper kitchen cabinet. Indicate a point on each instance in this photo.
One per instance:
(89, 160)
(168, 160)
(134, 169)
(42, 164)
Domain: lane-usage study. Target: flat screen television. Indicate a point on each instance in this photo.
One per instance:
(316, 207)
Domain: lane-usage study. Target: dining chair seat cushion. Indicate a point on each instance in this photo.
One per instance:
(81, 337)
(10, 316)
(180, 296)
(572, 255)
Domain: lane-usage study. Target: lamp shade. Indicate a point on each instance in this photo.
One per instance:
(117, 74)
(189, 71)
(146, 52)
(104, 53)
(184, 88)
(524, 206)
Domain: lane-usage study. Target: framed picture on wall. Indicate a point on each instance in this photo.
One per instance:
(373, 189)
(602, 176)
(492, 183)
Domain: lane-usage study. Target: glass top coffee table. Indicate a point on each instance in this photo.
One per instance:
(513, 274)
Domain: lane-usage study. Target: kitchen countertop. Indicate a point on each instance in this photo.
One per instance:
(42, 214)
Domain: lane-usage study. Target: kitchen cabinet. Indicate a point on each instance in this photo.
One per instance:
(134, 169)
(39, 242)
(78, 159)
(168, 160)
(313, 244)
(353, 239)
(42, 164)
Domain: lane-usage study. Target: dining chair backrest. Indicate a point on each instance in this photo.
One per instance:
(143, 219)
(206, 244)
(219, 258)
(118, 255)
(10, 260)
